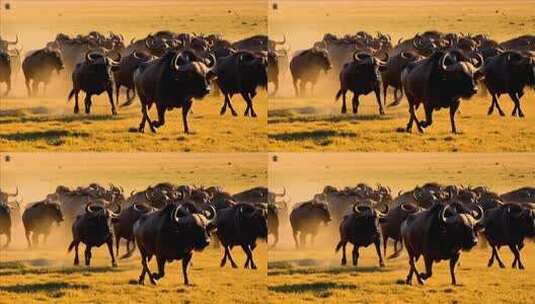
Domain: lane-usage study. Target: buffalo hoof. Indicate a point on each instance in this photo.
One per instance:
(382, 264)
(254, 267)
(234, 265)
(76, 110)
(344, 262)
(502, 114)
(502, 265)
(234, 113)
(521, 115)
(381, 112)
(114, 264)
(521, 267)
(76, 263)
(114, 112)
(141, 282)
(344, 110)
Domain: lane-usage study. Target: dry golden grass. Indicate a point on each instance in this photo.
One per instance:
(47, 123)
(315, 274)
(314, 123)
(47, 274)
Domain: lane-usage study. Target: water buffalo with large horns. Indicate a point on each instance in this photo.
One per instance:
(123, 227)
(509, 73)
(391, 76)
(172, 81)
(241, 225)
(124, 76)
(305, 219)
(38, 219)
(306, 66)
(440, 81)
(93, 76)
(508, 225)
(438, 233)
(94, 228)
(241, 73)
(391, 226)
(172, 233)
(361, 228)
(38, 67)
(361, 76)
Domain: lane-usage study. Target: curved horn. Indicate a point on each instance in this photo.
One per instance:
(407, 55)
(210, 61)
(135, 206)
(479, 61)
(281, 42)
(281, 194)
(175, 213)
(442, 214)
(405, 207)
(357, 56)
(443, 65)
(210, 213)
(89, 207)
(480, 214)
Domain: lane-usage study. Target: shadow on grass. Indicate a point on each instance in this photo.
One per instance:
(52, 137)
(279, 116)
(316, 287)
(65, 271)
(62, 119)
(48, 287)
(310, 135)
(324, 270)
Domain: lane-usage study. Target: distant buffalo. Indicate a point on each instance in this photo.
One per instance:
(38, 67)
(306, 66)
(38, 219)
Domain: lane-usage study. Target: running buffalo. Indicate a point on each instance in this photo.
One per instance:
(306, 218)
(439, 82)
(438, 233)
(171, 81)
(38, 219)
(93, 76)
(5, 71)
(171, 233)
(306, 66)
(361, 76)
(38, 67)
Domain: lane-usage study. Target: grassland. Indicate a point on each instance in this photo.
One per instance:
(315, 275)
(314, 123)
(47, 274)
(47, 122)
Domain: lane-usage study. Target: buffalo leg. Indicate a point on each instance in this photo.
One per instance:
(355, 103)
(355, 255)
(385, 89)
(87, 103)
(517, 260)
(344, 259)
(517, 108)
(453, 109)
(35, 239)
(224, 259)
(249, 104)
(428, 117)
(428, 268)
(185, 262)
(8, 239)
(302, 239)
(397, 251)
(35, 88)
(249, 254)
(27, 233)
(414, 271)
(76, 107)
(185, 110)
(344, 107)
(413, 118)
(161, 116)
(146, 270)
(276, 240)
(110, 249)
(385, 242)
(295, 87)
(378, 97)
(498, 258)
(378, 249)
(295, 239)
(302, 88)
(117, 90)
(76, 258)
(161, 268)
(27, 83)
(110, 97)
(232, 263)
(453, 262)
(87, 254)
(117, 239)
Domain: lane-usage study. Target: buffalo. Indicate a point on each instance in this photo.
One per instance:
(391, 76)
(38, 66)
(391, 226)
(38, 219)
(241, 225)
(439, 82)
(508, 225)
(124, 225)
(124, 76)
(509, 73)
(361, 76)
(305, 67)
(241, 73)
(94, 228)
(171, 233)
(361, 228)
(438, 233)
(171, 81)
(93, 76)
(306, 218)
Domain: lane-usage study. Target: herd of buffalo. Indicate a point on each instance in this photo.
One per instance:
(167, 221)
(171, 221)
(432, 221)
(170, 69)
